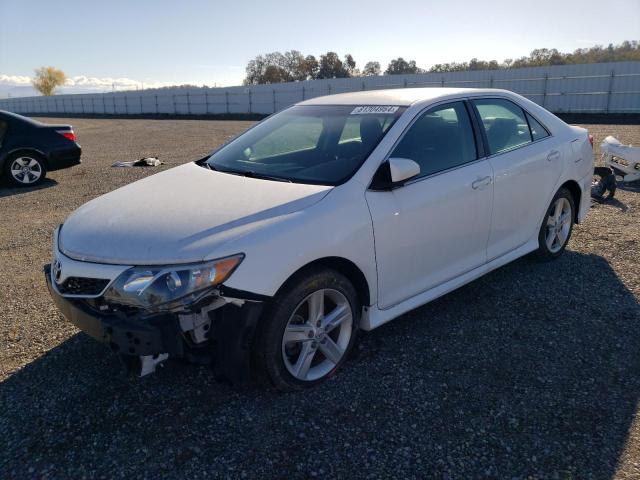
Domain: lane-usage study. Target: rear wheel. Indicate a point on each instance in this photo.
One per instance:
(557, 226)
(25, 169)
(309, 330)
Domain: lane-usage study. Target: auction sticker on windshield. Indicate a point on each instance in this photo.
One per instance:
(376, 109)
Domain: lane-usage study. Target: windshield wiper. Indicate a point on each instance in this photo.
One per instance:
(252, 174)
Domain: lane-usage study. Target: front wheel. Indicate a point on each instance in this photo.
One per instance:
(308, 331)
(557, 226)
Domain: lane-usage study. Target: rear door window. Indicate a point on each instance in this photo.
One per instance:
(504, 123)
(439, 140)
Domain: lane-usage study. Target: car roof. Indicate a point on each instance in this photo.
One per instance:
(399, 96)
(18, 118)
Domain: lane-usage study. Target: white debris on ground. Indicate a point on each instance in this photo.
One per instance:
(143, 162)
(624, 160)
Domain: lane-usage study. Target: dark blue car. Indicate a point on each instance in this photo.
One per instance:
(29, 149)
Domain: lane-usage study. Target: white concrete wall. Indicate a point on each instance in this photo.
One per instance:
(592, 88)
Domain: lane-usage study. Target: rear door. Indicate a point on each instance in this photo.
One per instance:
(435, 227)
(527, 163)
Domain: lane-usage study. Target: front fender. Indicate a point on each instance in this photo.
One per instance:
(337, 226)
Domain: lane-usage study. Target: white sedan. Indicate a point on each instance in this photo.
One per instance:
(340, 213)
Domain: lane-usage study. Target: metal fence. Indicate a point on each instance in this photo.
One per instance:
(592, 88)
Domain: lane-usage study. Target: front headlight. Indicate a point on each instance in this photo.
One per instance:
(169, 287)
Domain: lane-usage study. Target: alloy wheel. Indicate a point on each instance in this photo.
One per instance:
(558, 225)
(26, 170)
(317, 335)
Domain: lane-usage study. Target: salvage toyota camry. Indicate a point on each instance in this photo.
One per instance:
(340, 213)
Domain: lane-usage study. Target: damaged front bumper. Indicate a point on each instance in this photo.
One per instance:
(219, 332)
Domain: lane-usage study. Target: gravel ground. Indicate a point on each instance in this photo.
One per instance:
(530, 372)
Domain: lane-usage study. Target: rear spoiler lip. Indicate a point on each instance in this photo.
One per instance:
(64, 128)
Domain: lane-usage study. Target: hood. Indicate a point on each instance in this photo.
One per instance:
(178, 216)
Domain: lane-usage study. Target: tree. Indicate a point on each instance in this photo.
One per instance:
(293, 66)
(371, 68)
(47, 79)
(350, 65)
(274, 74)
(309, 67)
(400, 65)
(276, 67)
(330, 66)
(545, 56)
(255, 71)
(293, 62)
(269, 68)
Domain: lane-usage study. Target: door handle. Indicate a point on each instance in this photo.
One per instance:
(553, 155)
(481, 182)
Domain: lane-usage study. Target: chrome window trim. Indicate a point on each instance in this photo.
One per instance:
(442, 172)
(470, 99)
(517, 147)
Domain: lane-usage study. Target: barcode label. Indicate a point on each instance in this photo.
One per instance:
(374, 109)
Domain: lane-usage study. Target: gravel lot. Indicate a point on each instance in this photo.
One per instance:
(530, 372)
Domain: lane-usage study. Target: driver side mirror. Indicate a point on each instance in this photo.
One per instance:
(394, 173)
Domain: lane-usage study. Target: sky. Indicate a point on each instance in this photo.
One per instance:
(147, 43)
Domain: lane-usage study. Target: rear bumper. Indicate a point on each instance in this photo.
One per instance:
(65, 157)
(229, 348)
(585, 197)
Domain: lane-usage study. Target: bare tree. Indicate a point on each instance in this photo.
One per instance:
(47, 79)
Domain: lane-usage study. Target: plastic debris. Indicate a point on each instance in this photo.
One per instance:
(143, 162)
(624, 160)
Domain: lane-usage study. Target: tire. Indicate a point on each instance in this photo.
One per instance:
(553, 237)
(316, 347)
(25, 169)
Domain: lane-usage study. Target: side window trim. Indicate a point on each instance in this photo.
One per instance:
(484, 133)
(527, 115)
(478, 124)
(526, 119)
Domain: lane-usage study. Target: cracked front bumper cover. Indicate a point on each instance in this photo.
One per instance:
(228, 349)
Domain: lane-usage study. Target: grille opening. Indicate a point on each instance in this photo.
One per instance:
(83, 286)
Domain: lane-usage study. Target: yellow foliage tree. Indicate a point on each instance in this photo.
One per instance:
(47, 79)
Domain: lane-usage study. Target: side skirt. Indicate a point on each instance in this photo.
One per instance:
(376, 317)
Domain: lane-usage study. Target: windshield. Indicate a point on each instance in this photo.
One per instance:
(316, 144)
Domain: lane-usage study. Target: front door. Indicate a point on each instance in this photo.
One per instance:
(435, 227)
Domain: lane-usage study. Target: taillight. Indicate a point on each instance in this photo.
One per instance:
(68, 134)
(591, 140)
